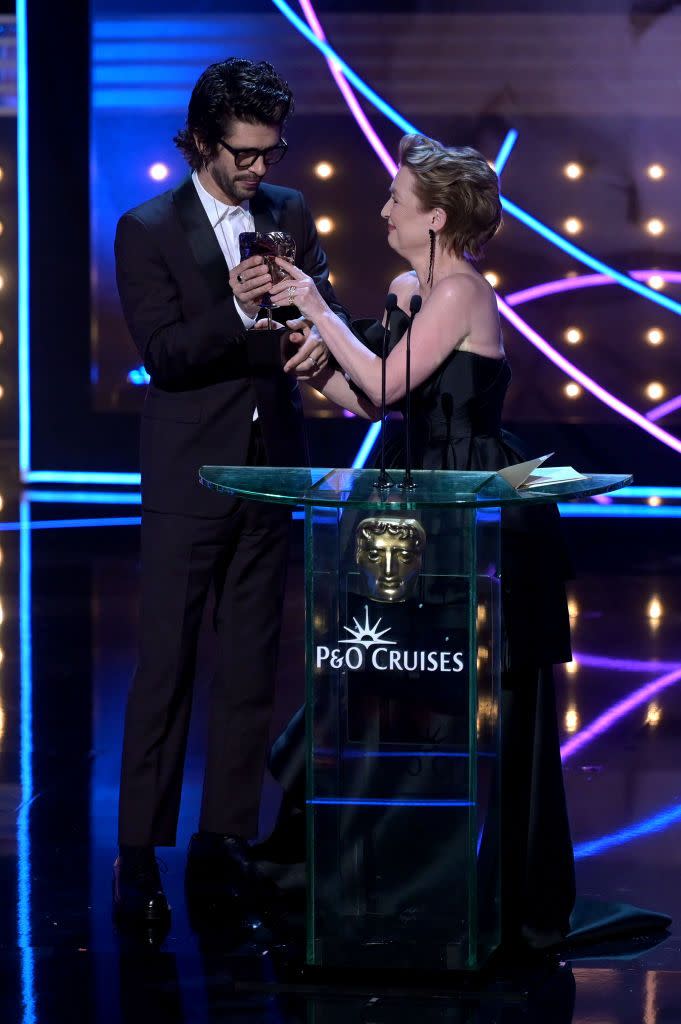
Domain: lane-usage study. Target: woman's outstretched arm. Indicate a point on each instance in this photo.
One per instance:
(330, 382)
(442, 323)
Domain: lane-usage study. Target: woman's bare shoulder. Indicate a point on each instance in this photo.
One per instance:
(404, 286)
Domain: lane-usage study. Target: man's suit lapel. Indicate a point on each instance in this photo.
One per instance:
(202, 240)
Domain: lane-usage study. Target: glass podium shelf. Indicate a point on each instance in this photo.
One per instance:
(357, 487)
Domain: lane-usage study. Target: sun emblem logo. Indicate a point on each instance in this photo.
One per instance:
(367, 635)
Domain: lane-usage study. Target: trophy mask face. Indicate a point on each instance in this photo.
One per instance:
(389, 553)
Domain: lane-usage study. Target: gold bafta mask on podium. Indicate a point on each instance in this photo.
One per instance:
(389, 553)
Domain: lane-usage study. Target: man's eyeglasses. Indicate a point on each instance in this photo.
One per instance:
(244, 158)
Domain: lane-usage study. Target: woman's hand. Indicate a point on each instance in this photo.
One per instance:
(298, 290)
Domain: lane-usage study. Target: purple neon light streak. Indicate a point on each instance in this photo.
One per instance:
(570, 284)
(623, 664)
(660, 411)
(585, 381)
(349, 96)
(616, 712)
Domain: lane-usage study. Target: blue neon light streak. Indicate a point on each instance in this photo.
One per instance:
(368, 802)
(577, 510)
(147, 75)
(85, 497)
(77, 524)
(647, 492)
(366, 446)
(57, 476)
(351, 76)
(657, 823)
(153, 28)
(23, 255)
(106, 99)
(505, 151)
(590, 261)
(24, 931)
(121, 53)
(72, 524)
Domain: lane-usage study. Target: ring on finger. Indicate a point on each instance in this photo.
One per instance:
(239, 278)
(291, 292)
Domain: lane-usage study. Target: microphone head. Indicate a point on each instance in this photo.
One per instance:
(391, 302)
(415, 304)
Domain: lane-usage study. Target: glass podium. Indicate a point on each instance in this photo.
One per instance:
(403, 651)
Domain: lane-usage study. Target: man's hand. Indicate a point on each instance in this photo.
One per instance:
(312, 356)
(249, 281)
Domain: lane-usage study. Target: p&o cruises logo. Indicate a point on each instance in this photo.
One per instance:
(368, 649)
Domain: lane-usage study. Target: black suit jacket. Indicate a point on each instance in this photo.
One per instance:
(207, 372)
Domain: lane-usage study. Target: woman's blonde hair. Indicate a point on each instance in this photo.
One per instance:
(460, 181)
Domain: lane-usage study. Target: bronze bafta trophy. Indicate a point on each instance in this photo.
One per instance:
(268, 244)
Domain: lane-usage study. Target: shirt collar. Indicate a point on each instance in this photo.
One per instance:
(215, 208)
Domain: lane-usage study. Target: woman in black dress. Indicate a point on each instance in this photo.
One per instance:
(443, 208)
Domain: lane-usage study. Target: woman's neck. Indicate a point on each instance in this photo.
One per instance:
(445, 265)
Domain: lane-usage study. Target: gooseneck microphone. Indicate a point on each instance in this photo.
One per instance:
(408, 481)
(390, 305)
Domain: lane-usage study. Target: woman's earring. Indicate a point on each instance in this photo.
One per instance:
(431, 265)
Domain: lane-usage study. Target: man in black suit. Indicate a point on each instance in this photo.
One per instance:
(217, 395)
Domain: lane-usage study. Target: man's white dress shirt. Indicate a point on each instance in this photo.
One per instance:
(228, 222)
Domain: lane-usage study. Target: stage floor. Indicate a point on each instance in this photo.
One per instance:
(68, 618)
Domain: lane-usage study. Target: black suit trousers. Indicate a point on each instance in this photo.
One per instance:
(243, 556)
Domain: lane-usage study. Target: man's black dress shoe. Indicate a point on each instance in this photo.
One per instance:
(138, 897)
(222, 879)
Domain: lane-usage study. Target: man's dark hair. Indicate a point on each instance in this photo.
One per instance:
(233, 89)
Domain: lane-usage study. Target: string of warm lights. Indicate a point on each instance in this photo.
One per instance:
(574, 171)
(573, 225)
(655, 226)
(574, 335)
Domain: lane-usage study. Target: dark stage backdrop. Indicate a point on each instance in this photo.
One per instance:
(585, 84)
